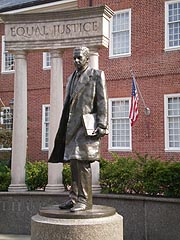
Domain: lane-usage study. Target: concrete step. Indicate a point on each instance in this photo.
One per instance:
(14, 237)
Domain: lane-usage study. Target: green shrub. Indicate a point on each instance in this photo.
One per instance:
(161, 178)
(122, 175)
(154, 177)
(5, 177)
(5, 137)
(5, 156)
(143, 175)
(36, 175)
(172, 180)
(66, 174)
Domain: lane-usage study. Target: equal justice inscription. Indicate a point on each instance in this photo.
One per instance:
(53, 30)
(58, 30)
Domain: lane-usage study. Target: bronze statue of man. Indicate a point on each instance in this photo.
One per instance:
(86, 98)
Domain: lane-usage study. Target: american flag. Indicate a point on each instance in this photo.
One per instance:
(133, 115)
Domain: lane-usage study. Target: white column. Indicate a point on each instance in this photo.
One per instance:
(94, 63)
(94, 58)
(56, 104)
(19, 141)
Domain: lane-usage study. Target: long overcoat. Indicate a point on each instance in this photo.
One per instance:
(89, 96)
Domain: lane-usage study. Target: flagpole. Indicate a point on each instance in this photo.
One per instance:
(146, 109)
(2, 102)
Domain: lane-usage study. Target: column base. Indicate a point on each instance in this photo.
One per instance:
(96, 188)
(55, 188)
(17, 188)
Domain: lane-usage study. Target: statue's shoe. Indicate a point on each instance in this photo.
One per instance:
(80, 207)
(67, 205)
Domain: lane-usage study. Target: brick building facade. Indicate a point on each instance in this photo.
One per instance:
(150, 47)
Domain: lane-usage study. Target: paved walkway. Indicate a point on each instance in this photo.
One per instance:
(14, 237)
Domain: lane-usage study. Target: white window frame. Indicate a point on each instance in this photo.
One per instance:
(167, 47)
(44, 123)
(111, 55)
(166, 128)
(110, 147)
(4, 52)
(45, 65)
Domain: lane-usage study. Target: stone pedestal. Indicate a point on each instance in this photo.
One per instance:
(99, 223)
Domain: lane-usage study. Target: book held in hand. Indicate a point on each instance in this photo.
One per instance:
(90, 123)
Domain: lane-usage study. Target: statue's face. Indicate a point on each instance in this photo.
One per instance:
(80, 60)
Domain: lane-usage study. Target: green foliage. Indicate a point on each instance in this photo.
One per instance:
(5, 176)
(121, 175)
(143, 175)
(5, 137)
(5, 156)
(66, 176)
(36, 175)
(155, 176)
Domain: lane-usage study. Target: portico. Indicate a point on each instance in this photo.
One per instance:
(53, 32)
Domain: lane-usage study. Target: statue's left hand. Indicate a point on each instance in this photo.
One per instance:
(100, 132)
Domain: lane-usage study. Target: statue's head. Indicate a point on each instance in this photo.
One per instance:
(81, 57)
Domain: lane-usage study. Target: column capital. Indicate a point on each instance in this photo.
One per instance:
(56, 53)
(94, 50)
(20, 54)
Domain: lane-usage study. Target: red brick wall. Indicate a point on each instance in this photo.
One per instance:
(6, 80)
(157, 73)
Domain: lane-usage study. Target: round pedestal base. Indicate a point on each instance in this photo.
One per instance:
(99, 223)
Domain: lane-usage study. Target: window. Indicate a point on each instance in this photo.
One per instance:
(45, 126)
(46, 60)
(172, 28)
(7, 59)
(6, 123)
(120, 39)
(120, 130)
(172, 122)
(7, 118)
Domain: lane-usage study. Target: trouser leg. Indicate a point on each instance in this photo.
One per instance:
(81, 182)
(74, 183)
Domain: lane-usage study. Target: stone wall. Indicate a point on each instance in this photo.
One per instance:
(145, 218)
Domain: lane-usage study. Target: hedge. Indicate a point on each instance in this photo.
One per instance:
(143, 175)
(123, 175)
(5, 176)
(36, 175)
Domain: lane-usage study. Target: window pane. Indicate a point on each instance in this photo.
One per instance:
(174, 106)
(9, 61)
(120, 126)
(7, 117)
(46, 117)
(120, 33)
(46, 60)
(120, 108)
(174, 122)
(121, 43)
(174, 24)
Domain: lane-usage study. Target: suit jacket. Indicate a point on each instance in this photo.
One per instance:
(89, 96)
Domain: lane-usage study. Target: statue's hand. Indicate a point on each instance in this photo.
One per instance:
(100, 132)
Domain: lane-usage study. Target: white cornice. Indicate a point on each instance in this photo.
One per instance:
(55, 6)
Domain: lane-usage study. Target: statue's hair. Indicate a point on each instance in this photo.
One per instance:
(85, 50)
